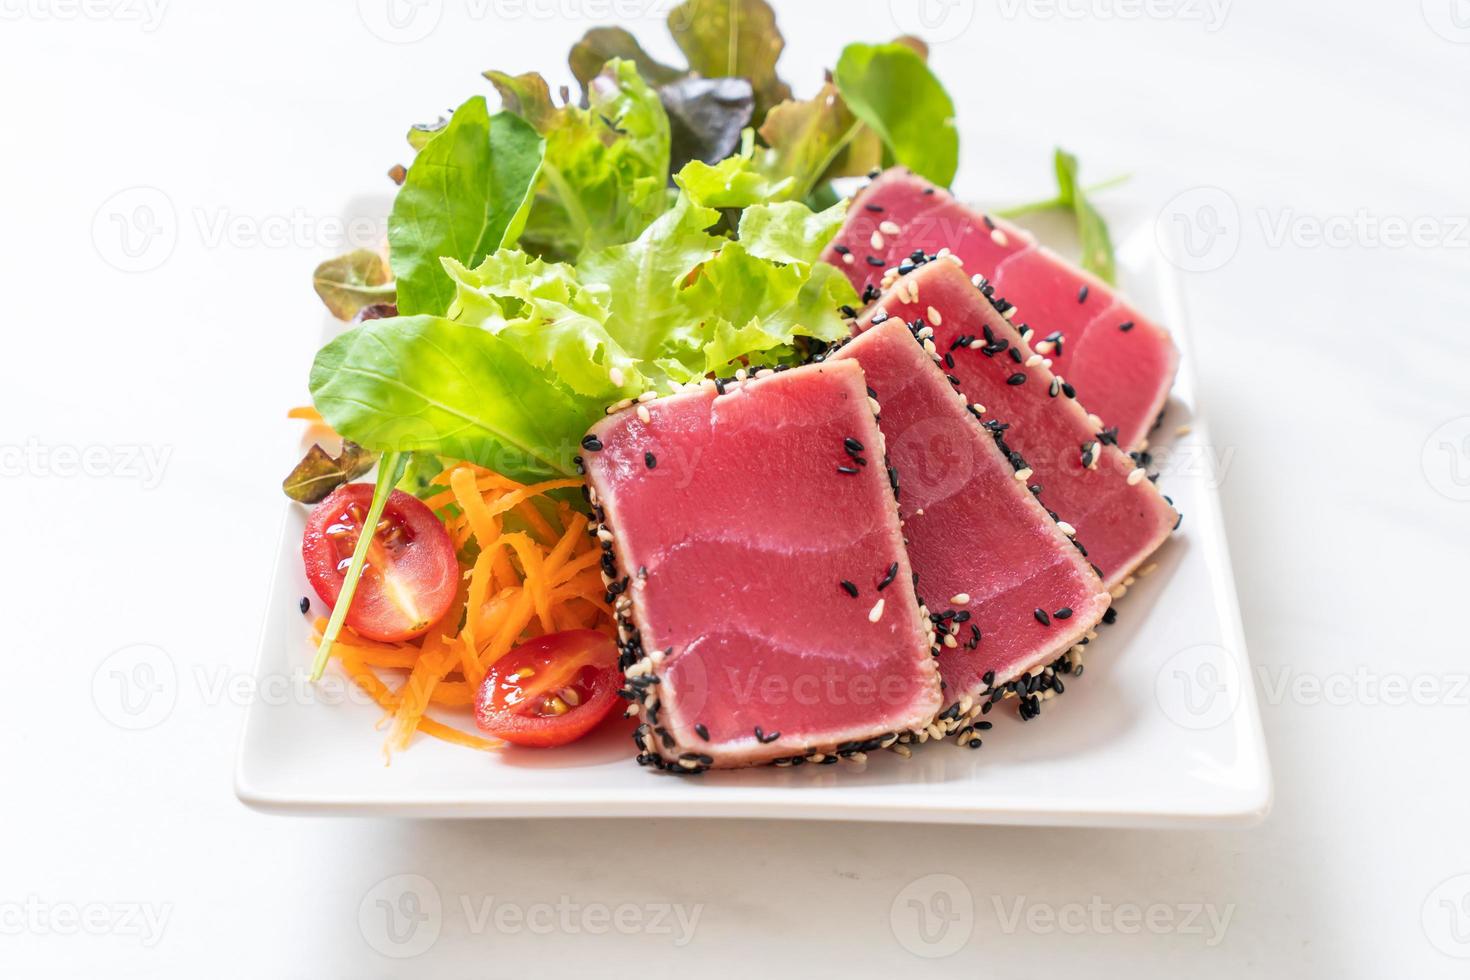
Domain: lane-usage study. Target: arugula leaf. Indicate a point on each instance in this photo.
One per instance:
(353, 281)
(1092, 230)
(466, 193)
(427, 384)
(891, 89)
(606, 168)
(602, 44)
(318, 473)
(733, 39)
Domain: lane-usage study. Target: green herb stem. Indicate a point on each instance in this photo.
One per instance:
(390, 471)
(1021, 210)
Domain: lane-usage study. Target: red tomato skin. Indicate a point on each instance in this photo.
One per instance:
(532, 731)
(428, 564)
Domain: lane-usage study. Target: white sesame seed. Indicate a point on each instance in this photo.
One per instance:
(1023, 474)
(1183, 430)
(999, 237)
(1119, 591)
(615, 375)
(648, 396)
(1066, 529)
(643, 415)
(1045, 347)
(847, 258)
(902, 750)
(1148, 569)
(934, 316)
(979, 408)
(950, 641)
(889, 228)
(873, 404)
(1094, 421)
(876, 241)
(960, 599)
(1033, 360)
(876, 613)
(977, 279)
(1136, 476)
(741, 374)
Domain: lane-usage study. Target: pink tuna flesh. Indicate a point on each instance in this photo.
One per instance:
(1121, 362)
(735, 519)
(1120, 518)
(984, 549)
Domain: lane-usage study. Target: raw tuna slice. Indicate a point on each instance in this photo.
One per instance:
(1122, 362)
(765, 603)
(1118, 514)
(1011, 591)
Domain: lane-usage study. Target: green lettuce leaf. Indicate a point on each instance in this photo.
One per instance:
(553, 320)
(466, 194)
(606, 169)
(789, 232)
(350, 282)
(818, 139)
(425, 384)
(733, 39)
(735, 182)
(891, 89)
(602, 44)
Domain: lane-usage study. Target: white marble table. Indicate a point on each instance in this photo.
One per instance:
(142, 434)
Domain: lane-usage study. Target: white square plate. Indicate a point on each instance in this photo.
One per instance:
(1161, 730)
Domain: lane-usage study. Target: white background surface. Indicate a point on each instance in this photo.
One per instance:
(1328, 370)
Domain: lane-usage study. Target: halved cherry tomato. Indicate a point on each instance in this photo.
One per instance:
(551, 690)
(411, 573)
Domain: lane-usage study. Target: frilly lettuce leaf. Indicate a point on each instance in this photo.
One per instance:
(733, 39)
(606, 169)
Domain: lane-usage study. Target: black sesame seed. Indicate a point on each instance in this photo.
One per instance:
(847, 470)
(852, 445)
(888, 577)
(989, 677)
(875, 262)
(1016, 354)
(841, 249)
(1063, 613)
(1082, 298)
(1125, 326)
(703, 732)
(849, 588)
(650, 460)
(1068, 390)
(592, 444)
(1111, 616)
(305, 605)
(876, 209)
(1019, 378)
(1041, 616)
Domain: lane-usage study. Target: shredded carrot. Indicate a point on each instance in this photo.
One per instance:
(537, 576)
(306, 413)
